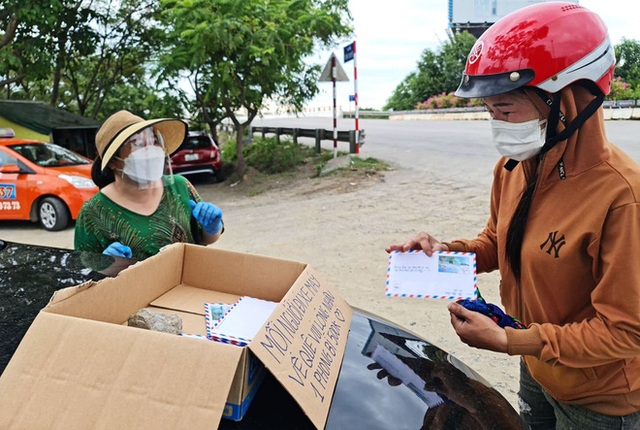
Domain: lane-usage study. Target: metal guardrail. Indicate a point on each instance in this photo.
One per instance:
(612, 104)
(389, 113)
(318, 134)
(620, 103)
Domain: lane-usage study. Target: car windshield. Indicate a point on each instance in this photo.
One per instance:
(196, 142)
(49, 155)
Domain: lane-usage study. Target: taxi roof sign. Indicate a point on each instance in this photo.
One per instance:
(7, 132)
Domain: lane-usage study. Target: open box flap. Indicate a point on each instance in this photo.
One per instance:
(115, 299)
(64, 293)
(303, 342)
(119, 265)
(239, 274)
(88, 374)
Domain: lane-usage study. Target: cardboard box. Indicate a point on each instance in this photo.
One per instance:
(80, 367)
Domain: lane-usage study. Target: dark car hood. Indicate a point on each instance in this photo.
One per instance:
(30, 274)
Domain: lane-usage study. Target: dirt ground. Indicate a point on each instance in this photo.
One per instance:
(341, 224)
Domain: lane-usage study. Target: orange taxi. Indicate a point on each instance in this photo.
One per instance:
(42, 182)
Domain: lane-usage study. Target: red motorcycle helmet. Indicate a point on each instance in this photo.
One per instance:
(547, 45)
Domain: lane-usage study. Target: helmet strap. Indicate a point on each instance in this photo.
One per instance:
(579, 120)
(555, 116)
(511, 164)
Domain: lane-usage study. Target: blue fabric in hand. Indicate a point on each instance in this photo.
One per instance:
(492, 311)
(116, 249)
(208, 215)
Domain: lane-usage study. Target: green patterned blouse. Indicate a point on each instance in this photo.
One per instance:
(102, 222)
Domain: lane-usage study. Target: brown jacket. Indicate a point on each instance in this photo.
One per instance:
(580, 289)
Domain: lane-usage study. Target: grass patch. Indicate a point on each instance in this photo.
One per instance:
(277, 165)
(368, 163)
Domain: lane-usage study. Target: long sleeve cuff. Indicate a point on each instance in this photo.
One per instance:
(456, 246)
(524, 342)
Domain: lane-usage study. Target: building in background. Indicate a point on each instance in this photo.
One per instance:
(475, 16)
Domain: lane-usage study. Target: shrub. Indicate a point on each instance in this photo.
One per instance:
(621, 90)
(269, 156)
(228, 154)
(447, 100)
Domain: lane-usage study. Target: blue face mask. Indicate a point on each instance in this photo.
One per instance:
(519, 140)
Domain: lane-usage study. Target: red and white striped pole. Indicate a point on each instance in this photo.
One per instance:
(355, 96)
(334, 73)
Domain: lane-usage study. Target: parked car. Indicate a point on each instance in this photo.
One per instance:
(42, 182)
(439, 393)
(197, 155)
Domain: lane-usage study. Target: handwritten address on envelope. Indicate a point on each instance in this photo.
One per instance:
(444, 275)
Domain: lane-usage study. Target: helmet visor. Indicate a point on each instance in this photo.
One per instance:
(473, 86)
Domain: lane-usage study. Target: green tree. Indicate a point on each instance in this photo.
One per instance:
(453, 57)
(7, 56)
(438, 72)
(402, 97)
(71, 33)
(141, 96)
(628, 57)
(24, 43)
(238, 55)
(125, 41)
(90, 57)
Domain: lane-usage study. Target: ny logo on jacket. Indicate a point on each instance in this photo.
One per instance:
(554, 244)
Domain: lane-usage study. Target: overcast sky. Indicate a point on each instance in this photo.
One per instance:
(391, 35)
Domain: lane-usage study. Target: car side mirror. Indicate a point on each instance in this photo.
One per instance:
(10, 168)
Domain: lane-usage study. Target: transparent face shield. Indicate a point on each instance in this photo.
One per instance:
(144, 161)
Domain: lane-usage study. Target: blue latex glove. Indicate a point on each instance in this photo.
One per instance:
(208, 215)
(116, 249)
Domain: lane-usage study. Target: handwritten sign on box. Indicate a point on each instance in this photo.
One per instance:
(444, 275)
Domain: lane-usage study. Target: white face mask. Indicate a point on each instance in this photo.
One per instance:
(145, 165)
(519, 140)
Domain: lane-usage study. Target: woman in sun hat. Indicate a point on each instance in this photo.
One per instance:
(564, 225)
(139, 209)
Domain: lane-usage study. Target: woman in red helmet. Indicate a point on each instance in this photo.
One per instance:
(564, 227)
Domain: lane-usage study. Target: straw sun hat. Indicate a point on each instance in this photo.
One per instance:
(119, 127)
